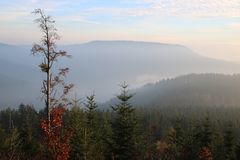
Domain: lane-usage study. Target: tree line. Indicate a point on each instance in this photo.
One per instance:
(125, 132)
(206, 89)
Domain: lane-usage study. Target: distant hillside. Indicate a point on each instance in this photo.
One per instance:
(99, 67)
(190, 90)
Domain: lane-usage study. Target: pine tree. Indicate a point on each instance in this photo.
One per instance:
(218, 149)
(2, 138)
(171, 140)
(91, 113)
(207, 134)
(106, 134)
(175, 139)
(229, 143)
(237, 150)
(29, 124)
(124, 127)
(92, 140)
(12, 144)
(77, 122)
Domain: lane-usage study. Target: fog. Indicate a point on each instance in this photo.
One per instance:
(99, 67)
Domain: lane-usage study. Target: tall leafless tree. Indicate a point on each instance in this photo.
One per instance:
(47, 48)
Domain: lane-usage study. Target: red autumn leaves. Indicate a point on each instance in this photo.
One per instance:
(56, 137)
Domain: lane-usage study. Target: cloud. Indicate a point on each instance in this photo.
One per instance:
(178, 8)
(234, 26)
(129, 8)
(147, 78)
(76, 18)
(121, 11)
(13, 10)
(12, 15)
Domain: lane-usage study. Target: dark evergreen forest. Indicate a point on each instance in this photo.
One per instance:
(123, 131)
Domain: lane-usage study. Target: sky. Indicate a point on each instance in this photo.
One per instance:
(209, 27)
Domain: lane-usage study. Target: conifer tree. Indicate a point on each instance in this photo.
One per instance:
(175, 139)
(2, 139)
(124, 127)
(229, 143)
(29, 124)
(106, 135)
(207, 134)
(206, 137)
(12, 144)
(77, 122)
(91, 114)
(92, 140)
(237, 150)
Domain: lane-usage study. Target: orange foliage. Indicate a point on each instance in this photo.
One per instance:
(56, 139)
(162, 147)
(205, 154)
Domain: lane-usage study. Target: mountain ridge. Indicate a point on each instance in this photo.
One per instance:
(101, 66)
(206, 89)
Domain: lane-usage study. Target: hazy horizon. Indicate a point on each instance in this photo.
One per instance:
(206, 31)
(207, 27)
(201, 50)
(100, 66)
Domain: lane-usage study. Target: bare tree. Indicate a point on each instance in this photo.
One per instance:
(47, 48)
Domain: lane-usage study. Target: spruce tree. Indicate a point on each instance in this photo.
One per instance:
(176, 139)
(12, 144)
(106, 134)
(207, 133)
(124, 127)
(237, 150)
(77, 122)
(29, 124)
(229, 143)
(92, 135)
(91, 112)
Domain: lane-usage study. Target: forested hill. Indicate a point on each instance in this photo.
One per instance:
(190, 90)
(100, 66)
